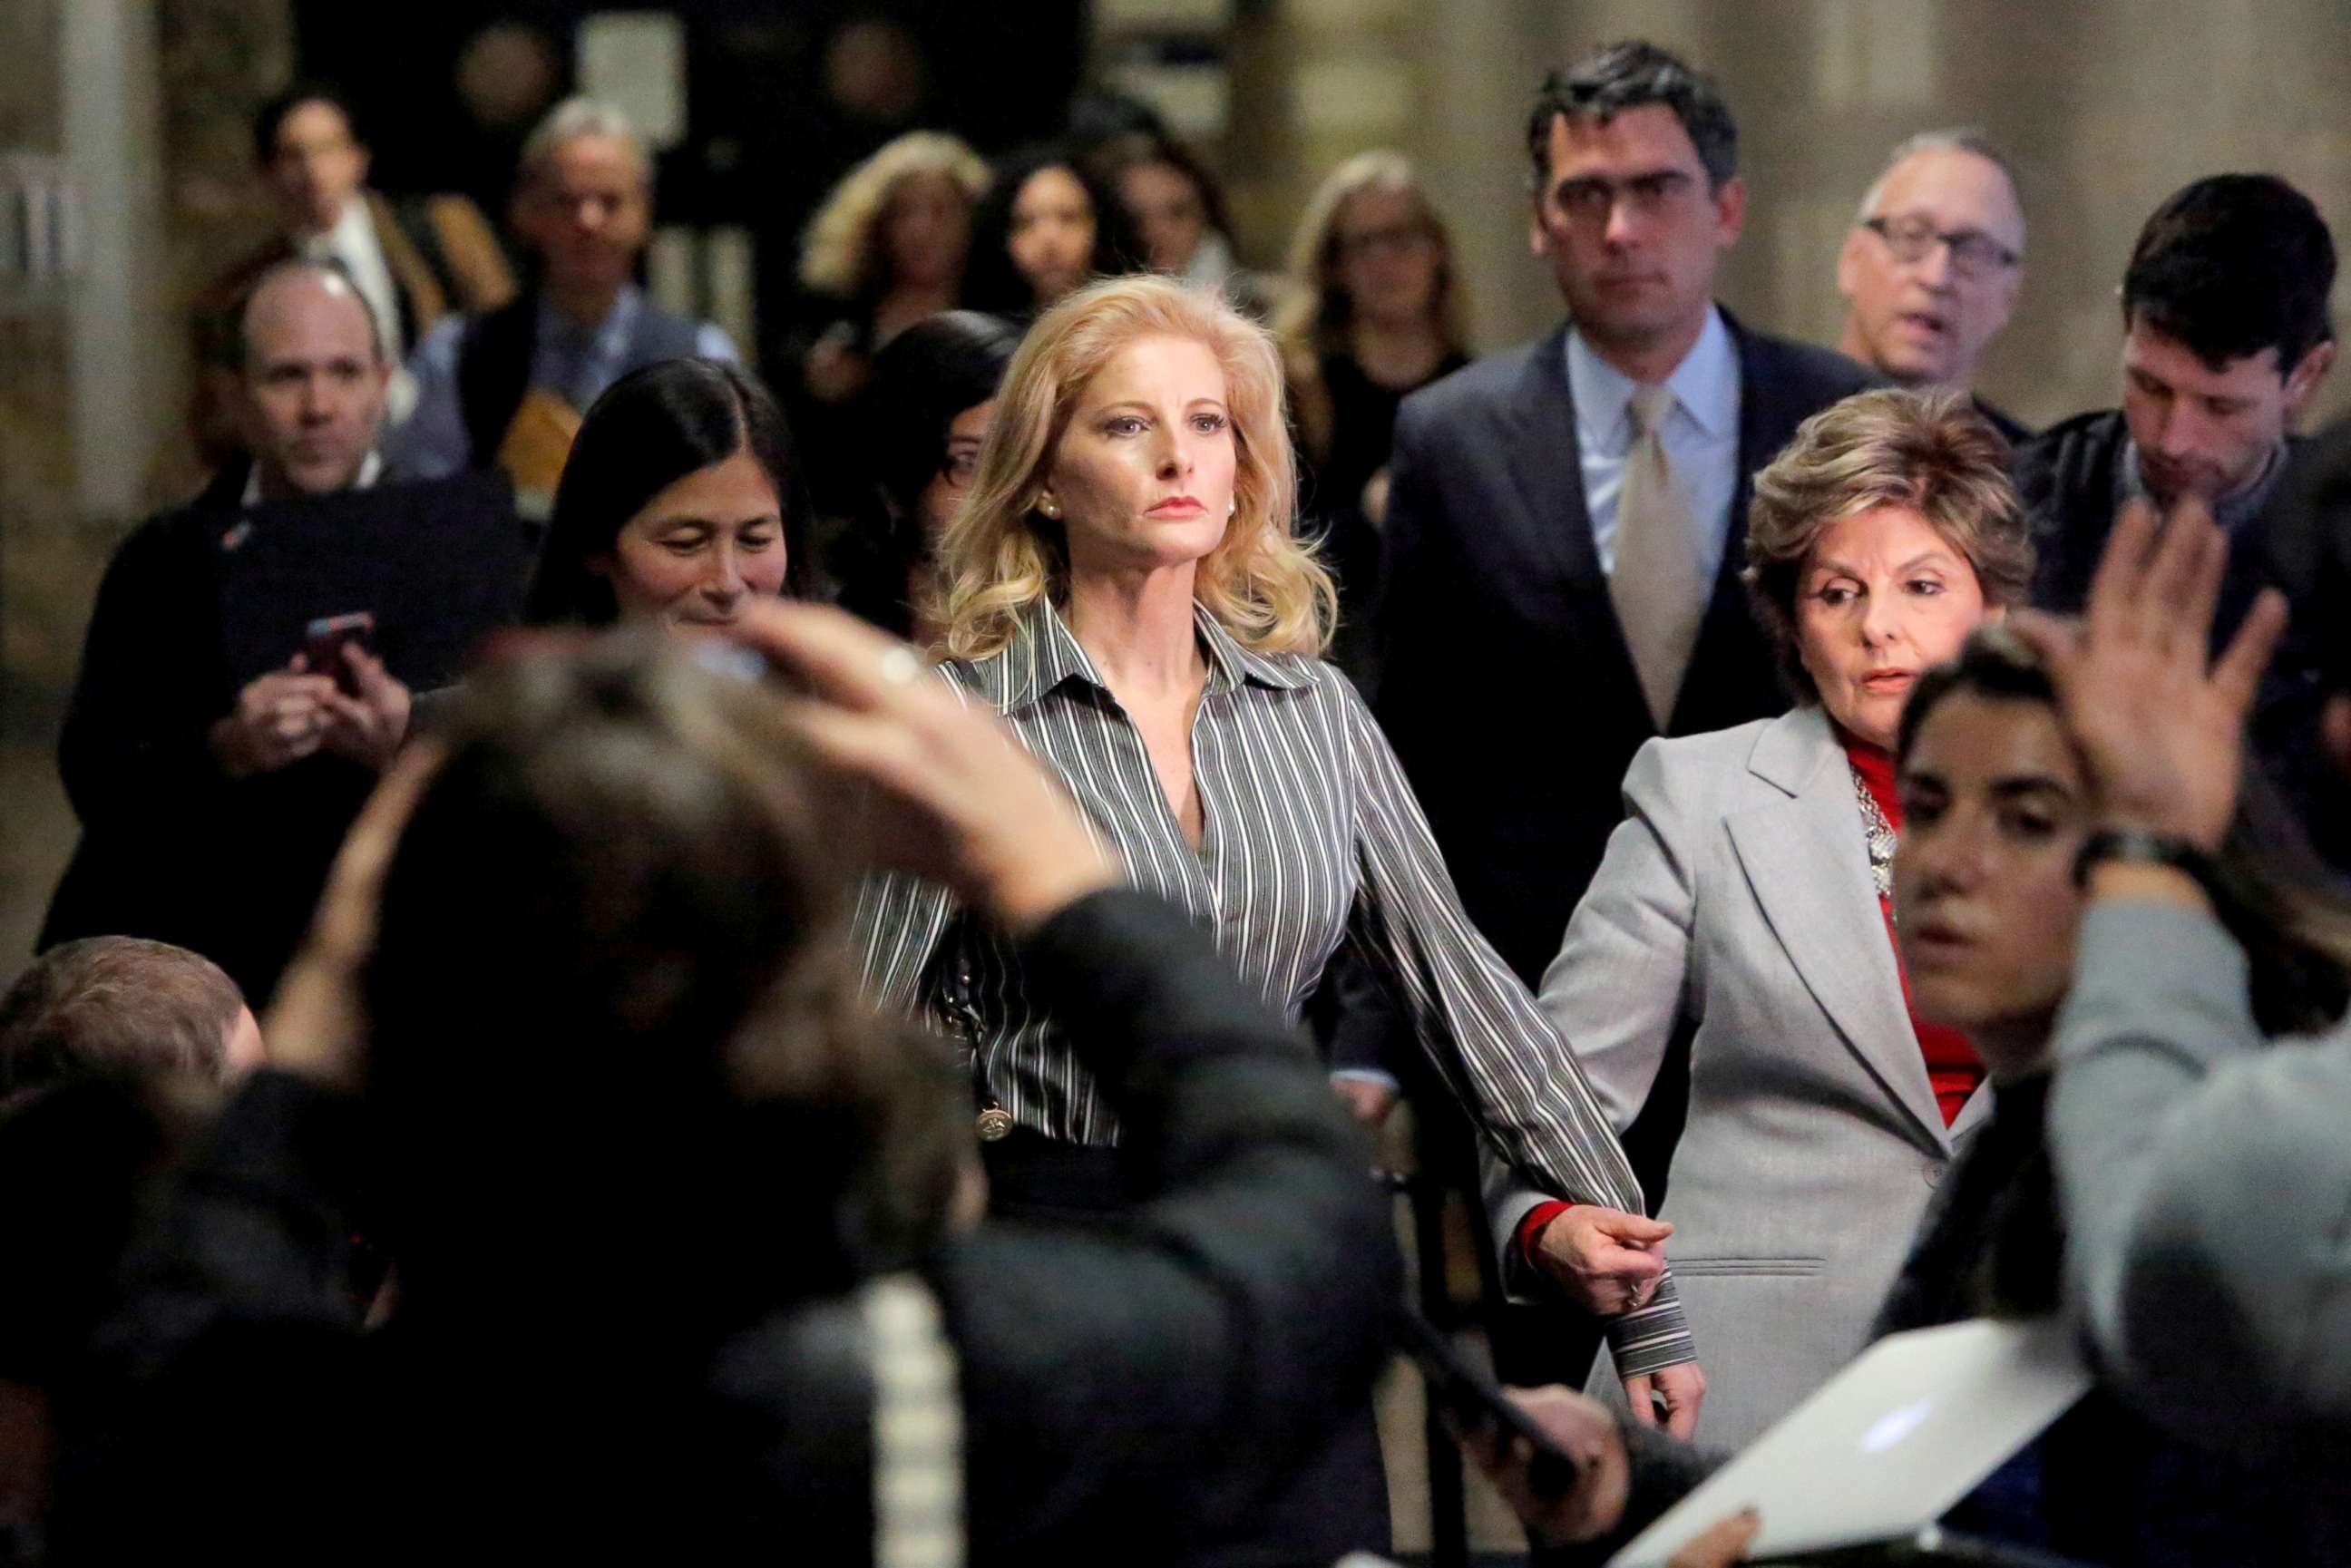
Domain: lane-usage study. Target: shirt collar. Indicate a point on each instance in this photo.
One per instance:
(346, 235)
(1044, 653)
(370, 470)
(1705, 384)
(2232, 512)
(609, 335)
(354, 231)
(1229, 664)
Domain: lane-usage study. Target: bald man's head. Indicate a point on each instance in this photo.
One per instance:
(314, 378)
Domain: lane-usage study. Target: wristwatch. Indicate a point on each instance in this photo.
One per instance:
(2136, 846)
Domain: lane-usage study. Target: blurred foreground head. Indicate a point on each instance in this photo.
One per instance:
(609, 1004)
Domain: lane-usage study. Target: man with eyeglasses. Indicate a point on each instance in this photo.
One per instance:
(1561, 563)
(1934, 263)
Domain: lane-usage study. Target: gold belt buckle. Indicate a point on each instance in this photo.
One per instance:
(994, 1123)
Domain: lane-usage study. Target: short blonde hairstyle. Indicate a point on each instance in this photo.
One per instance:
(842, 252)
(998, 556)
(1928, 451)
(1316, 316)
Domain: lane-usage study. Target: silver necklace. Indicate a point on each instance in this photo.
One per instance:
(1878, 832)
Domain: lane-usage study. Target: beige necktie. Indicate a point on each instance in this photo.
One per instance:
(1658, 591)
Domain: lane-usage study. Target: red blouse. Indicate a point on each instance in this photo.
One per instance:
(1951, 1063)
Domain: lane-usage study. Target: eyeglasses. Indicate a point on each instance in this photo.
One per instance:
(1398, 239)
(1593, 200)
(1973, 254)
(959, 466)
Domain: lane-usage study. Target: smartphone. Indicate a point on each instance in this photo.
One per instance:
(324, 640)
(1476, 1406)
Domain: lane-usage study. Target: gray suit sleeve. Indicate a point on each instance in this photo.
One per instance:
(2206, 1184)
(1615, 992)
(1618, 985)
(1481, 1029)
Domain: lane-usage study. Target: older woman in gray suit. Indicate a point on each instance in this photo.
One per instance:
(1745, 900)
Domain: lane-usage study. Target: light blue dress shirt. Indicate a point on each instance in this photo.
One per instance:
(575, 362)
(1700, 436)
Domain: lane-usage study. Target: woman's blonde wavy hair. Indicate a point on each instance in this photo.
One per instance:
(998, 556)
(842, 251)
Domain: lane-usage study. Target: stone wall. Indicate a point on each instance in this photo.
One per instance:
(2107, 108)
(149, 102)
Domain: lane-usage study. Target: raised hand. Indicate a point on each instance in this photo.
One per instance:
(2159, 723)
(948, 793)
(1586, 1429)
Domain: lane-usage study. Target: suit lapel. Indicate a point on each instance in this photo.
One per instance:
(1546, 464)
(1545, 456)
(1764, 427)
(422, 302)
(1808, 866)
(1974, 1113)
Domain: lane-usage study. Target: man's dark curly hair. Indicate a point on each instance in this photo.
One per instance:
(1616, 77)
(2230, 266)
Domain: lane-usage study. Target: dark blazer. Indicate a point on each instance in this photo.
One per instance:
(1132, 1389)
(172, 848)
(2299, 542)
(1507, 686)
(2067, 479)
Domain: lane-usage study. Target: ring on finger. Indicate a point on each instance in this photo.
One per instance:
(901, 668)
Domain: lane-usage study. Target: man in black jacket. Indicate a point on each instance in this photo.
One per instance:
(1533, 636)
(2225, 342)
(212, 797)
(508, 387)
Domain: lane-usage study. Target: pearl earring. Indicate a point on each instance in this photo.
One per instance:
(1233, 508)
(1049, 507)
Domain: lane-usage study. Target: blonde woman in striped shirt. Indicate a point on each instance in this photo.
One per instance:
(1122, 585)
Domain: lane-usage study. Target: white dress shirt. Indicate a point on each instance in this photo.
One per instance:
(370, 470)
(352, 244)
(1700, 436)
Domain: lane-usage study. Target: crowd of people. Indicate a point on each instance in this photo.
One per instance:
(744, 1075)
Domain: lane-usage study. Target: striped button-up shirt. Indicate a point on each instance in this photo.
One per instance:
(1311, 836)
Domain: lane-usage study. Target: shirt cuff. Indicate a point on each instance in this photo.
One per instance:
(1652, 1338)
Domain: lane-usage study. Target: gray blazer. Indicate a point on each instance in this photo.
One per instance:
(1735, 898)
(2205, 1181)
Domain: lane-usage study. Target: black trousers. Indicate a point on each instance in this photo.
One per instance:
(1336, 1501)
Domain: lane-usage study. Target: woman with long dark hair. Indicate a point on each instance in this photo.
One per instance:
(1046, 227)
(680, 503)
(928, 410)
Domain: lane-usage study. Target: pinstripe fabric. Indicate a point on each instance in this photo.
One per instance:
(1312, 838)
